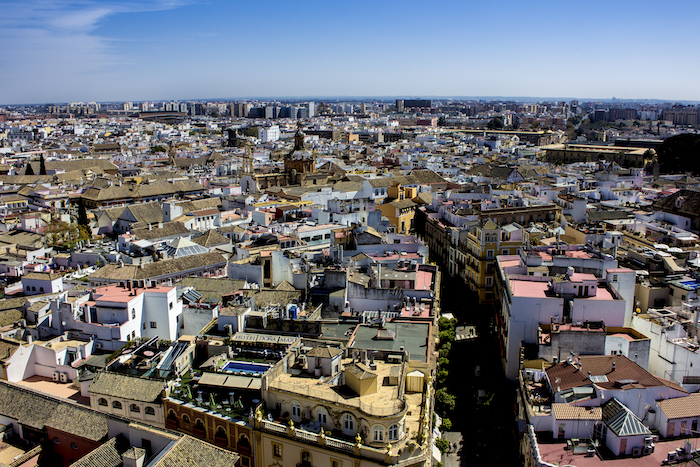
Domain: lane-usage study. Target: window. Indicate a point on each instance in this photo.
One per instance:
(144, 326)
(305, 459)
(378, 434)
(33, 289)
(28, 289)
(393, 432)
(133, 313)
(614, 277)
(186, 419)
(135, 408)
(150, 411)
(41, 289)
(321, 415)
(116, 405)
(154, 325)
(296, 411)
(348, 424)
(336, 463)
(170, 305)
(277, 450)
(102, 401)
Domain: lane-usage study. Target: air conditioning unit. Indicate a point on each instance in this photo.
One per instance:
(56, 376)
(671, 456)
(64, 377)
(647, 450)
(648, 441)
(636, 452)
(229, 329)
(98, 345)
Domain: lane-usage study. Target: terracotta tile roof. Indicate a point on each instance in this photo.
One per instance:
(126, 387)
(324, 352)
(681, 407)
(572, 412)
(107, 455)
(191, 452)
(39, 410)
(625, 374)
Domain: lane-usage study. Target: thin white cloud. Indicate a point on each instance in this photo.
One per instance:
(50, 51)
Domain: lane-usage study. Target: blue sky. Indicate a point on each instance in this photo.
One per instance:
(90, 50)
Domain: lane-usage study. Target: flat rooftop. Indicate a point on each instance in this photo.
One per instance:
(383, 402)
(413, 337)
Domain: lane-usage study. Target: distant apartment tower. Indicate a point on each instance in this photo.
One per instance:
(400, 105)
(269, 133)
(240, 109)
(417, 103)
(311, 109)
(687, 116)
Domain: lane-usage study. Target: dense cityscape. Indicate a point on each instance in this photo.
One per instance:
(406, 282)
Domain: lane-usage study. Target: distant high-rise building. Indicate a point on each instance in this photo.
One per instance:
(240, 109)
(417, 103)
(311, 109)
(400, 105)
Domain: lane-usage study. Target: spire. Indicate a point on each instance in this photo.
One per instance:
(299, 139)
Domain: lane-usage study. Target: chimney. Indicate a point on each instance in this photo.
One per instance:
(134, 457)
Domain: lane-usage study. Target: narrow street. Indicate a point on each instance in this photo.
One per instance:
(486, 404)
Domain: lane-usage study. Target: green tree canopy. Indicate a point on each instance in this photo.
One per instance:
(496, 123)
(42, 165)
(680, 154)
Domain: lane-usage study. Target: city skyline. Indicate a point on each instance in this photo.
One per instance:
(188, 50)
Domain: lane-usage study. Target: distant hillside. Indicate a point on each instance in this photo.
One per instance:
(680, 154)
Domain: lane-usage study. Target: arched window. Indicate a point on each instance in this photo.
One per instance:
(116, 405)
(41, 289)
(220, 432)
(150, 411)
(199, 424)
(378, 432)
(296, 411)
(393, 432)
(102, 401)
(185, 419)
(348, 424)
(33, 289)
(305, 459)
(322, 415)
(135, 408)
